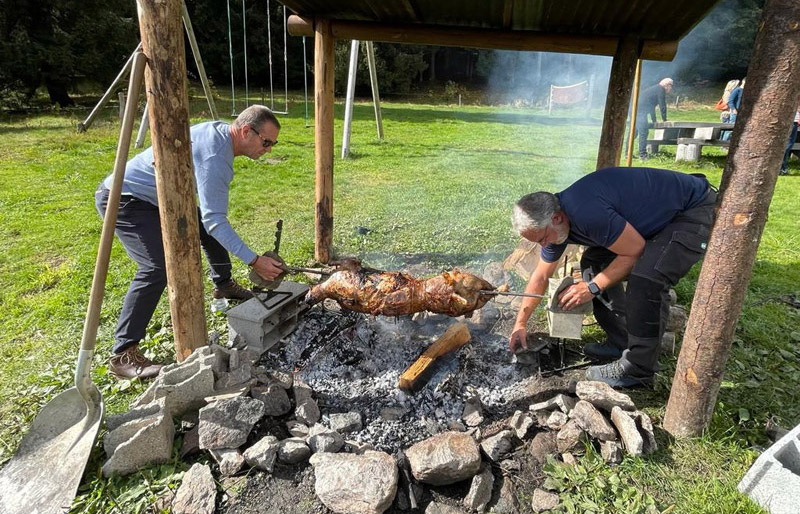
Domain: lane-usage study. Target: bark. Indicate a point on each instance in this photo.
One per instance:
(617, 100)
(162, 43)
(759, 138)
(323, 139)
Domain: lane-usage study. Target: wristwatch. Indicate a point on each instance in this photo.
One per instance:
(593, 288)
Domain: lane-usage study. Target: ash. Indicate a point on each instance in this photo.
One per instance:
(353, 361)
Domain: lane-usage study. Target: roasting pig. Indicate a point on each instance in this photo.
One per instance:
(392, 293)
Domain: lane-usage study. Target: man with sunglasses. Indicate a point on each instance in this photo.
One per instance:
(644, 225)
(214, 145)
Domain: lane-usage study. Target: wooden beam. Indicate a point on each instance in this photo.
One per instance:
(168, 110)
(416, 375)
(480, 38)
(323, 139)
(617, 100)
(637, 82)
(748, 182)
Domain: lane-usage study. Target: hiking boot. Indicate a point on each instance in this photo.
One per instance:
(618, 373)
(132, 364)
(232, 291)
(602, 352)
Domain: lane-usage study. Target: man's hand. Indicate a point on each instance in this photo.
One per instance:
(267, 267)
(517, 341)
(574, 296)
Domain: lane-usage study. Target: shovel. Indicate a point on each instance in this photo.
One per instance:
(44, 474)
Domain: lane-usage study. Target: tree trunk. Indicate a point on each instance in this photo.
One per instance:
(759, 138)
(617, 100)
(162, 43)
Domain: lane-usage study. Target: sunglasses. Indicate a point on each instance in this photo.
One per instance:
(264, 141)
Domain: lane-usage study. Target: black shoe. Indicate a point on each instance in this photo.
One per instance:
(232, 291)
(784, 171)
(618, 373)
(602, 352)
(643, 156)
(132, 364)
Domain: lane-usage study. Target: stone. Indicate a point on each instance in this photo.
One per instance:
(603, 396)
(233, 392)
(293, 450)
(544, 500)
(445, 458)
(301, 390)
(521, 424)
(571, 438)
(323, 439)
(262, 455)
(556, 420)
(611, 451)
(592, 421)
(233, 378)
(473, 412)
(282, 378)
(297, 429)
(229, 459)
(542, 445)
(645, 427)
(197, 493)
(480, 491)
(191, 442)
(498, 445)
(139, 443)
(563, 402)
(495, 274)
(442, 508)
(392, 413)
(677, 319)
(276, 401)
(357, 484)
(307, 412)
(183, 386)
(507, 502)
(144, 411)
(357, 447)
(510, 465)
(668, 343)
(347, 422)
(227, 423)
(484, 318)
(626, 426)
(569, 459)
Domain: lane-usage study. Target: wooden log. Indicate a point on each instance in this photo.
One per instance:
(416, 376)
(748, 182)
(637, 82)
(617, 100)
(168, 110)
(323, 140)
(473, 37)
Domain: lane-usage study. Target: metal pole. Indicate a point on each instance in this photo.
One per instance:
(246, 84)
(351, 89)
(634, 108)
(82, 127)
(373, 80)
(187, 23)
(269, 55)
(142, 128)
(230, 52)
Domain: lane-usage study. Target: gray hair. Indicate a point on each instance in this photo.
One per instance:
(256, 116)
(534, 211)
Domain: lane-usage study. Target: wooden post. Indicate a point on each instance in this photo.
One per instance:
(748, 181)
(323, 139)
(162, 43)
(637, 82)
(617, 99)
(418, 373)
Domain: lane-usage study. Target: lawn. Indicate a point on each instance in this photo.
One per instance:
(438, 190)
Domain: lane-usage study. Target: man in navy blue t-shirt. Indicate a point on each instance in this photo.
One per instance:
(646, 225)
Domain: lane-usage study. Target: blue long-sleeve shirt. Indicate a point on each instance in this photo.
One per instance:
(212, 153)
(735, 99)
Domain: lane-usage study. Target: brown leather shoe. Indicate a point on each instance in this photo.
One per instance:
(232, 291)
(132, 364)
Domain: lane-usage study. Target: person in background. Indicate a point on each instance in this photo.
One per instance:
(734, 102)
(214, 145)
(792, 137)
(725, 115)
(651, 97)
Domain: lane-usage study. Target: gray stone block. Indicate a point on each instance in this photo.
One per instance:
(145, 442)
(773, 480)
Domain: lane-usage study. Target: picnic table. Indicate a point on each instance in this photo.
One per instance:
(691, 137)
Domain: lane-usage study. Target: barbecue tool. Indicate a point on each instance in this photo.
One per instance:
(46, 470)
(509, 293)
(260, 281)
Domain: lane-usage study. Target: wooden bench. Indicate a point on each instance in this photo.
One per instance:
(672, 132)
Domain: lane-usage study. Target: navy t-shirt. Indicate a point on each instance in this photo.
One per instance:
(599, 204)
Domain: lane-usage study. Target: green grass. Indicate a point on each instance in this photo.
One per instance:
(438, 190)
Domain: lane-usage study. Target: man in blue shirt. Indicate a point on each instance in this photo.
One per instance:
(646, 225)
(214, 145)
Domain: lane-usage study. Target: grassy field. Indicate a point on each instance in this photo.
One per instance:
(438, 190)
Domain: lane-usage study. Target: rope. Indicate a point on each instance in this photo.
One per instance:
(246, 84)
(269, 54)
(230, 51)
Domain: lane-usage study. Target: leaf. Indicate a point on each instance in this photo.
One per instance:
(744, 415)
(795, 336)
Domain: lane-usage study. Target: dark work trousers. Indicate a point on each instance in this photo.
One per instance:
(636, 319)
(139, 230)
(642, 129)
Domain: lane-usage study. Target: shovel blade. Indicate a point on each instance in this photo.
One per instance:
(44, 474)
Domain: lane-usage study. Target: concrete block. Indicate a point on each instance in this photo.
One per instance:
(704, 133)
(564, 324)
(256, 328)
(773, 480)
(689, 153)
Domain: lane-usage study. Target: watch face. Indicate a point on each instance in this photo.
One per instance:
(593, 288)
